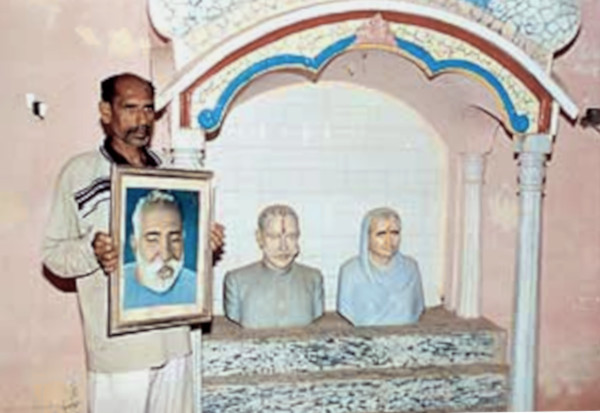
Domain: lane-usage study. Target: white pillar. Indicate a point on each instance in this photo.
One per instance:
(187, 149)
(532, 153)
(469, 303)
(197, 368)
(187, 152)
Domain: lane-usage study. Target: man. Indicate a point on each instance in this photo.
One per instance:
(276, 291)
(158, 276)
(139, 372)
(380, 286)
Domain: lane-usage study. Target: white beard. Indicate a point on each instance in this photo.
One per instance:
(148, 273)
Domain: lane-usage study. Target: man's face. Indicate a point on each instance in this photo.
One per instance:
(159, 247)
(279, 241)
(384, 239)
(130, 116)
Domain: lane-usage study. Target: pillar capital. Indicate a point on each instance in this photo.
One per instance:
(473, 166)
(187, 144)
(533, 143)
(187, 148)
(533, 151)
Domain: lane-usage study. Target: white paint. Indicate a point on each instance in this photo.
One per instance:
(187, 145)
(452, 286)
(533, 151)
(196, 337)
(187, 152)
(550, 23)
(195, 69)
(469, 305)
(332, 152)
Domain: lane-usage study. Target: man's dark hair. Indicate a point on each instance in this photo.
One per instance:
(108, 87)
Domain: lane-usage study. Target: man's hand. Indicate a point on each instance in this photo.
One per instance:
(217, 237)
(105, 251)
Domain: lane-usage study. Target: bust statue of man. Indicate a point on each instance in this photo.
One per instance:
(380, 286)
(275, 291)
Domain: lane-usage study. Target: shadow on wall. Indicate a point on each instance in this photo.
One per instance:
(66, 285)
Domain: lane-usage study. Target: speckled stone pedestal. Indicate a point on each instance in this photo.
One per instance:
(443, 363)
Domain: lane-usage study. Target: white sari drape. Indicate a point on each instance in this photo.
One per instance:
(368, 295)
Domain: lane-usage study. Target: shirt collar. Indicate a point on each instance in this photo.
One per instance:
(115, 157)
(276, 271)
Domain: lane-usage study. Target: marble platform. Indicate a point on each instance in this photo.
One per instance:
(443, 363)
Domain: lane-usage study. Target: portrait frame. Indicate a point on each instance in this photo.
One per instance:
(138, 299)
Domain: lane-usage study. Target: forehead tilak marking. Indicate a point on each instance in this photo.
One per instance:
(283, 227)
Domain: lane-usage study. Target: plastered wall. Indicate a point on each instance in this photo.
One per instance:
(60, 49)
(570, 294)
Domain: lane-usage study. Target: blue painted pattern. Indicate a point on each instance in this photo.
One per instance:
(210, 119)
(520, 123)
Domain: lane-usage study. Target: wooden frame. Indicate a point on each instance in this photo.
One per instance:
(162, 213)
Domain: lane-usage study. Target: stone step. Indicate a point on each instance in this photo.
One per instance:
(332, 344)
(476, 387)
(443, 363)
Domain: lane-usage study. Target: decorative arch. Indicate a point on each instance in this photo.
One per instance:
(308, 39)
(437, 35)
(210, 119)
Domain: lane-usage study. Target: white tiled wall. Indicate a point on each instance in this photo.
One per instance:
(332, 151)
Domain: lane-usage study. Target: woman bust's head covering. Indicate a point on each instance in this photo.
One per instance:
(380, 286)
(365, 232)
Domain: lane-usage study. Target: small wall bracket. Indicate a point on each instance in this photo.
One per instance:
(36, 106)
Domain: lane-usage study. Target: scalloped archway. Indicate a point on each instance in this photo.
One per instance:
(438, 42)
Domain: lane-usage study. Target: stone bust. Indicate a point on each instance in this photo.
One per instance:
(275, 291)
(380, 286)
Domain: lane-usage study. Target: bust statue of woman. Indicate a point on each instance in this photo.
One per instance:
(380, 286)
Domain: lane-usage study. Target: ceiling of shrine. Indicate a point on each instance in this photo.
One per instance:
(548, 24)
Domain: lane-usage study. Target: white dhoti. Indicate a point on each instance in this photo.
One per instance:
(165, 389)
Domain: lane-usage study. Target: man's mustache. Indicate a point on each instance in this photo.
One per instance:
(167, 271)
(139, 130)
(285, 255)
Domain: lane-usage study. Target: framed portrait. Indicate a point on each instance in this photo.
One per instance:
(160, 222)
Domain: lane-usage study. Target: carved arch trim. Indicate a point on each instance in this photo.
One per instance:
(525, 92)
